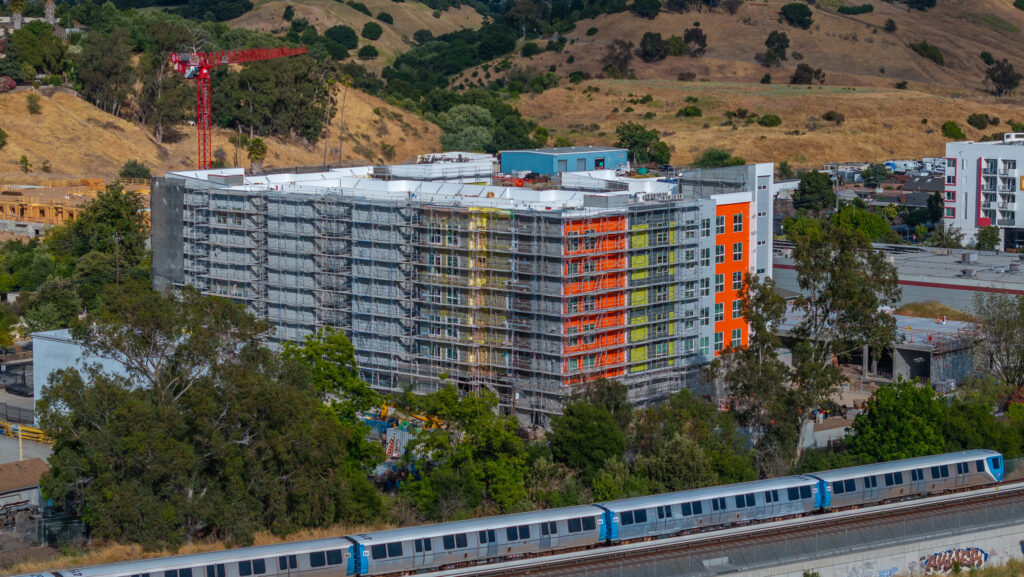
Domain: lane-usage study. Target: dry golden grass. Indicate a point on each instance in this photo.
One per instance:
(114, 553)
(880, 123)
(80, 140)
(397, 37)
(934, 310)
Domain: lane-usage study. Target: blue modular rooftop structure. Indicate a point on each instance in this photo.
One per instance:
(564, 159)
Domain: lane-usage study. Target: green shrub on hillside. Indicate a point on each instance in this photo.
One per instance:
(372, 31)
(928, 51)
(360, 7)
(769, 120)
(798, 15)
(690, 112)
(953, 131)
(978, 120)
(385, 17)
(1018, 4)
(859, 9)
(987, 57)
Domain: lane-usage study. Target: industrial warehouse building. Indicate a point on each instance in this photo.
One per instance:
(525, 292)
(549, 161)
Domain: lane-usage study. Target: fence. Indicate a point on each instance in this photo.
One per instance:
(13, 414)
(53, 532)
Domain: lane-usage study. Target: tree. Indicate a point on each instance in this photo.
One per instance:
(945, 236)
(617, 57)
(114, 220)
(135, 169)
(900, 421)
(777, 44)
(757, 381)
(846, 286)
(785, 171)
(1000, 328)
(331, 360)
(890, 25)
(32, 101)
(422, 36)
(646, 8)
(257, 150)
(806, 74)
(952, 131)
(732, 6)
(371, 31)
(1003, 77)
(584, 436)
(245, 446)
(368, 52)
(875, 227)
(798, 14)
(935, 206)
(874, 174)
(644, 145)
(164, 95)
(347, 36)
(3, 137)
(466, 127)
(26, 166)
(474, 458)
(815, 192)
(717, 157)
(988, 238)
(696, 41)
(652, 47)
(289, 13)
(386, 17)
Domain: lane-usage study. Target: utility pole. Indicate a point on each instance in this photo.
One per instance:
(345, 81)
(117, 260)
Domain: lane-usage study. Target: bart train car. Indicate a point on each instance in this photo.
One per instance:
(494, 539)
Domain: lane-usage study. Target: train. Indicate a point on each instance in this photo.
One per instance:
(494, 539)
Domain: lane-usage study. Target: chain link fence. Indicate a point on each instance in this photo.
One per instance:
(25, 533)
(13, 414)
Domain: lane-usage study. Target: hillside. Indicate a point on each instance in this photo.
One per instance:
(853, 51)
(79, 140)
(397, 38)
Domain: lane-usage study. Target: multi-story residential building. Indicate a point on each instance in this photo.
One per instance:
(982, 184)
(524, 292)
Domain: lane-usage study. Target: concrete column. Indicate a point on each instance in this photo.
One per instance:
(51, 12)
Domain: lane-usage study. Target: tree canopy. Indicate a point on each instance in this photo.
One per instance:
(644, 145)
(814, 193)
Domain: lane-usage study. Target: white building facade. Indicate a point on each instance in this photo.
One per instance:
(983, 180)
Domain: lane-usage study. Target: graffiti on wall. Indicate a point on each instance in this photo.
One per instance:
(891, 572)
(965, 558)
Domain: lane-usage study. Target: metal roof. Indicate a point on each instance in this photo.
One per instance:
(711, 492)
(905, 464)
(569, 149)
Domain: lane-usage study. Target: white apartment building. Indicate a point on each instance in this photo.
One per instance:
(982, 183)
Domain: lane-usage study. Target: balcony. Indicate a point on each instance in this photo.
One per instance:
(988, 169)
(1006, 222)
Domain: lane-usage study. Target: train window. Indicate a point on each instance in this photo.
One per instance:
(334, 556)
(317, 559)
(640, 515)
(286, 562)
(698, 508)
(185, 572)
(627, 517)
(259, 567)
(485, 537)
(448, 541)
(997, 462)
(805, 492)
(837, 488)
(913, 475)
(245, 568)
(870, 482)
(771, 496)
(589, 524)
(665, 511)
(512, 533)
(935, 473)
(171, 573)
(422, 545)
(215, 570)
(460, 540)
(394, 550)
(718, 504)
(898, 477)
(379, 551)
(944, 470)
(793, 493)
(575, 525)
(889, 480)
(687, 510)
(549, 528)
(524, 533)
(959, 468)
(980, 464)
(851, 485)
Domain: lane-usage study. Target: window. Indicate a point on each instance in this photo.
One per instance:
(665, 512)
(870, 482)
(719, 283)
(719, 312)
(448, 542)
(687, 509)
(745, 501)
(705, 227)
(737, 281)
(950, 196)
(935, 473)
(889, 480)
(575, 525)
(980, 464)
(549, 528)
(704, 316)
(451, 354)
(598, 163)
(737, 251)
(187, 572)
(705, 287)
(718, 504)
(215, 570)
(590, 362)
(626, 518)
(719, 341)
(705, 346)
(944, 470)
(660, 294)
(951, 179)
(837, 488)
(771, 496)
(661, 237)
(719, 225)
(589, 524)
(171, 573)
(319, 559)
(950, 163)
(334, 555)
(589, 265)
(245, 568)
(518, 533)
(737, 309)
(737, 338)
(705, 257)
(793, 493)
(287, 562)
(949, 212)
(660, 350)
(720, 253)
(737, 222)
(661, 258)
(805, 492)
(422, 545)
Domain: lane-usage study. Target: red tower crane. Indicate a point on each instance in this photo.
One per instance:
(197, 65)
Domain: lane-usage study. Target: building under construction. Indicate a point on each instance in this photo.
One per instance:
(527, 292)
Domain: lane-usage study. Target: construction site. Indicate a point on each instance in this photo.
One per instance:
(527, 293)
(28, 210)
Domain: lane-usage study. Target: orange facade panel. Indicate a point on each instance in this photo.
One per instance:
(603, 224)
(733, 241)
(601, 263)
(595, 322)
(603, 283)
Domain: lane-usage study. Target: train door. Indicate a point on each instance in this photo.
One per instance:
(423, 553)
(545, 534)
(492, 544)
(215, 570)
(288, 565)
